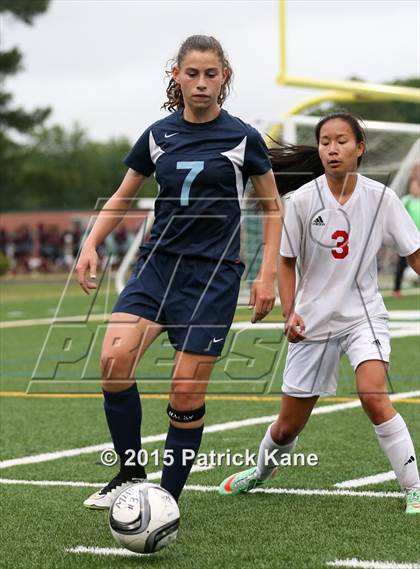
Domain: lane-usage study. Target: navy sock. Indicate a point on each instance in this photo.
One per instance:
(175, 476)
(123, 415)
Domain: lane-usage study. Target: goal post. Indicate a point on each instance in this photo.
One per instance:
(145, 204)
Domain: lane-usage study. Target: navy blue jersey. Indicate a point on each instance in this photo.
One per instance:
(201, 170)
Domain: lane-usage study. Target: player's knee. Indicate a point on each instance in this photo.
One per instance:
(284, 432)
(116, 363)
(184, 398)
(377, 406)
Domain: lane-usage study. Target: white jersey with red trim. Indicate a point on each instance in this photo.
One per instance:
(337, 246)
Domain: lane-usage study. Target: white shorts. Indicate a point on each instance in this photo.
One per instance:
(311, 367)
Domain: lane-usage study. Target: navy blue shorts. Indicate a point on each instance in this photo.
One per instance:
(194, 299)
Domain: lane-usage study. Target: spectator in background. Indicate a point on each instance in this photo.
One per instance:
(77, 237)
(67, 241)
(23, 241)
(121, 241)
(411, 203)
(51, 247)
(43, 248)
(3, 241)
(47, 249)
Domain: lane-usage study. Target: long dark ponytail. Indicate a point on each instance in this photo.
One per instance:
(295, 165)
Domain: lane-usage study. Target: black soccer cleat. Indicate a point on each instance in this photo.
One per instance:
(103, 499)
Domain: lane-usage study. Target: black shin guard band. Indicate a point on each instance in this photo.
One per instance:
(185, 416)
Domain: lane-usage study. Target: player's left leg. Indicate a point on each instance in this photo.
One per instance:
(391, 430)
(199, 311)
(186, 412)
(310, 372)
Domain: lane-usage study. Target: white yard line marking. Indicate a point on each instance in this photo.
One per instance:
(18, 482)
(45, 321)
(395, 315)
(360, 564)
(105, 551)
(316, 492)
(404, 329)
(366, 480)
(218, 427)
(46, 456)
(202, 488)
(404, 314)
(304, 492)
(150, 476)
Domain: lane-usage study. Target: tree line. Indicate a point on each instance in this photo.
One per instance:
(64, 169)
(58, 168)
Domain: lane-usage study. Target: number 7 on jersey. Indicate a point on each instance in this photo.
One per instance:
(194, 169)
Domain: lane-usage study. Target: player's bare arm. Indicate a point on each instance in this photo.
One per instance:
(414, 261)
(110, 216)
(294, 325)
(263, 294)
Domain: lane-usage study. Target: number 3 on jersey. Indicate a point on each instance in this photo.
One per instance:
(194, 169)
(341, 248)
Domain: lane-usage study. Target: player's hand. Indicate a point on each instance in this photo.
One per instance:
(294, 328)
(262, 298)
(87, 262)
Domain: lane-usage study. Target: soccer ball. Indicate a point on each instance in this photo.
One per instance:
(144, 518)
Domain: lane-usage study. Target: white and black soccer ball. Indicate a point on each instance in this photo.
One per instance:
(144, 518)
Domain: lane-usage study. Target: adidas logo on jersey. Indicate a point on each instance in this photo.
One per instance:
(318, 221)
(410, 460)
(377, 342)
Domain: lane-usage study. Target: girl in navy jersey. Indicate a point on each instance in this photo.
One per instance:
(335, 224)
(186, 279)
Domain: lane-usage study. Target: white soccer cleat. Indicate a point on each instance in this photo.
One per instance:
(103, 499)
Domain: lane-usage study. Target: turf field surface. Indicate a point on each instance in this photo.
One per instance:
(51, 440)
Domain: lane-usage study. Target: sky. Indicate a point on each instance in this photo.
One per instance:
(102, 63)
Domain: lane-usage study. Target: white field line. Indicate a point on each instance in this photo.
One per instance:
(404, 329)
(412, 315)
(360, 564)
(65, 483)
(404, 314)
(202, 488)
(150, 476)
(218, 427)
(398, 329)
(105, 551)
(120, 552)
(45, 321)
(366, 480)
(304, 492)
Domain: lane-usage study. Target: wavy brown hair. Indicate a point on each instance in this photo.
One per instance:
(175, 99)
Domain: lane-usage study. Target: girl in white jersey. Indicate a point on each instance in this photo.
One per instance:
(335, 225)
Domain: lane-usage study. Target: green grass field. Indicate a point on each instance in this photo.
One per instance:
(271, 528)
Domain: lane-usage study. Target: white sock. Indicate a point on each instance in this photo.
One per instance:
(265, 464)
(395, 441)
